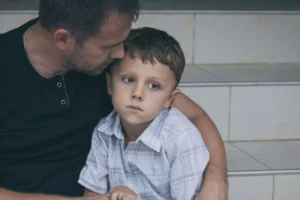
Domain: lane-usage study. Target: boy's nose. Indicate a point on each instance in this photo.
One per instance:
(137, 94)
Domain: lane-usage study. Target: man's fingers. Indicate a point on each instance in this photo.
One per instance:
(115, 196)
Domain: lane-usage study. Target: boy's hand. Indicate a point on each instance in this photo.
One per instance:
(123, 193)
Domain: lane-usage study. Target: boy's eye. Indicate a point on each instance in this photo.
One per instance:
(128, 79)
(154, 86)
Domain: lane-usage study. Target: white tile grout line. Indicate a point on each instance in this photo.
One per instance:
(229, 113)
(237, 84)
(194, 38)
(264, 172)
(245, 152)
(273, 187)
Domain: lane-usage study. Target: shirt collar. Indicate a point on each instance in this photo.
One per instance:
(152, 134)
(111, 125)
(150, 137)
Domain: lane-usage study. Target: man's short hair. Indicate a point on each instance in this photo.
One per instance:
(153, 45)
(83, 17)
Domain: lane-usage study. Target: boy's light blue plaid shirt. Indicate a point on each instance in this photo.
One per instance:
(166, 162)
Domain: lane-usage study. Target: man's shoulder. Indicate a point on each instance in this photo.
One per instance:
(5, 38)
(10, 37)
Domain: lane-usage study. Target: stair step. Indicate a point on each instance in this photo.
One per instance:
(263, 170)
(263, 157)
(241, 75)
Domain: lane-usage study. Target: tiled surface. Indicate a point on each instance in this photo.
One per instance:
(238, 161)
(265, 113)
(193, 74)
(179, 26)
(287, 187)
(277, 155)
(215, 101)
(242, 38)
(250, 188)
(8, 22)
(258, 73)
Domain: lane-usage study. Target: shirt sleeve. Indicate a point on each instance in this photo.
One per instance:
(189, 159)
(94, 175)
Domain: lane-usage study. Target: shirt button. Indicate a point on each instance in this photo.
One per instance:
(63, 102)
(59, 84)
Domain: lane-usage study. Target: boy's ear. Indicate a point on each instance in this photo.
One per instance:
(108, 83)
(171, 99)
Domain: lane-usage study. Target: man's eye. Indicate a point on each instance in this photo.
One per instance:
(128, 79)
(153, 86)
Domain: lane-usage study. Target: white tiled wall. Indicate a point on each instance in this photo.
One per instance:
(287, 187)
(250, 188)
(255, 38)
(10, 21)
(179, 26)
(278, 187)
(265, 113)
(215, 101)
(219, 38)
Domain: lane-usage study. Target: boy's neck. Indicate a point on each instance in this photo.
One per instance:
(132, 132)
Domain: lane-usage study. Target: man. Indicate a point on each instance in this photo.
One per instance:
(53, 94)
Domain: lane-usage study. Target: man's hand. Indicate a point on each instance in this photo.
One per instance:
(123, 193)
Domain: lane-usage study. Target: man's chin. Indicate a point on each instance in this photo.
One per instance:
(95, 72)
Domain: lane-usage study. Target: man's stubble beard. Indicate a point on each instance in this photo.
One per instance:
(77, 63)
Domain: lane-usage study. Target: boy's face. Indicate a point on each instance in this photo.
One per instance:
(140, 91)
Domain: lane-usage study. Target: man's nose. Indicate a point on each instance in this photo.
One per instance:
(118, 52)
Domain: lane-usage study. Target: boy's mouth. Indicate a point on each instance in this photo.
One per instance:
(134, 107)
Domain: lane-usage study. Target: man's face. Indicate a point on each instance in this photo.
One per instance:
(98, 51)
(140, 91)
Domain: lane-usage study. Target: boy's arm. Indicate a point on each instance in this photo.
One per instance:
(215, 177)
(94, 175)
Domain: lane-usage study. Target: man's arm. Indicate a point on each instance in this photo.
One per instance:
(214, 186)
(10, 195)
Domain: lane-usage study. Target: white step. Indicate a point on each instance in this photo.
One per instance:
(264, 170)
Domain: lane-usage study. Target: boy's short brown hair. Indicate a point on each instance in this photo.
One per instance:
(153, 45)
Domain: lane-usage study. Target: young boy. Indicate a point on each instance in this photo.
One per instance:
(145, 144)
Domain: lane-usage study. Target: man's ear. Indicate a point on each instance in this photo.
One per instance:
(64, 40)
(108, 83)
(172, 97)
